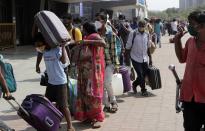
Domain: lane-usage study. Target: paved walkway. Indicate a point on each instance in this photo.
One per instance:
(136, 113)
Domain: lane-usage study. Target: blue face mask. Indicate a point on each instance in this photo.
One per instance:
(192, 31)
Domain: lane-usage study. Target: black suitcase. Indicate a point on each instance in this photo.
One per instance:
(154, 78)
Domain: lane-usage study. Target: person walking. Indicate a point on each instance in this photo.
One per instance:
(6, 93)
(192, 92)
(112, 63)
(76, 36)
(56, 90)
(91, 69)
(157, 30)
(138, 44)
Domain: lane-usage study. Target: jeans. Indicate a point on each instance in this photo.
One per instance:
(141, 70)
(159, 40)
(108, 90)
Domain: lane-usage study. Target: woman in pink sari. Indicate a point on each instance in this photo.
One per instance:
(90, 77)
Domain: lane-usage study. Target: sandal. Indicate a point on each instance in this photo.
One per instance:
(87, 121)
(114, 108)
(144, 93)
(96, 124)
(106, 109)
(71, 129)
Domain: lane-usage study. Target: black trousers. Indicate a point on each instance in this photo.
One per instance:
(194, 116)
(141, 70)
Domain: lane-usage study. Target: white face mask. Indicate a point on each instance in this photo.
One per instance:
(98, 24)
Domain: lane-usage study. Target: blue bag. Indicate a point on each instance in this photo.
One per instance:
(118, 46)
(72, 94)
(8, 76)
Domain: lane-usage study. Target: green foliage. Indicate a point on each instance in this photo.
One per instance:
(171, 13)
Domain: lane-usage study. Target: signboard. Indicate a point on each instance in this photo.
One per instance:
(142, 2)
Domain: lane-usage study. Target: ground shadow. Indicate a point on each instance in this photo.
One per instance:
(10, 110)
(127, 94)
(136, 95)
(30, 80)
(139, 95)
(9, 117)
(79, 126)
(29, 129)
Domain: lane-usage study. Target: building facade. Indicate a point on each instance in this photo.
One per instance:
(185, 4)
(20, 13)
(130, 8)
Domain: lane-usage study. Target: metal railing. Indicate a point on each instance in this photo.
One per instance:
(7, 35)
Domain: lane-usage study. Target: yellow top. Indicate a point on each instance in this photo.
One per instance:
(75, 35)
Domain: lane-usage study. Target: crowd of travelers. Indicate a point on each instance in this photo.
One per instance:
(98, 48)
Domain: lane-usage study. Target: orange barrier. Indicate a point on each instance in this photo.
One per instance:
(7, 35)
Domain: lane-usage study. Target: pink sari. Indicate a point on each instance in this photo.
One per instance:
(91, 69)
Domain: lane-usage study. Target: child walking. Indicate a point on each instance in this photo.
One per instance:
(56, 90)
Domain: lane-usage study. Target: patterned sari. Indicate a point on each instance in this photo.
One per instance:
(90, 83)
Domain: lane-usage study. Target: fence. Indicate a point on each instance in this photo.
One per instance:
(7, 35)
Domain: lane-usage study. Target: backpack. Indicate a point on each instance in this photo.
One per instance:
(8, 74)
(127, 51)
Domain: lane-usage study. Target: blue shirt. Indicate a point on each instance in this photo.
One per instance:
(54, 67)
(157, 28)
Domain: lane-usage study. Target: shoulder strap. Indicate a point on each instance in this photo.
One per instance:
(133, 37)
(148, 40)
(73, 33)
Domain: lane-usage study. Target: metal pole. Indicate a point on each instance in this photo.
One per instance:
(14, 22)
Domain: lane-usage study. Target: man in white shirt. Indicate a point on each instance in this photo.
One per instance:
(138, 44)
(174, 25)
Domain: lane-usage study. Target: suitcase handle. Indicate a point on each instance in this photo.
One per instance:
(172, 68)
(17, 109)
(49, 122)
(178, 103)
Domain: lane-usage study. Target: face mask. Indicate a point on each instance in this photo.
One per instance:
(141, 29)
(98, 24)
(40, 49)
(192, 31)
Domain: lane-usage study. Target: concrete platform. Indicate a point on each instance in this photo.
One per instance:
(136, 113)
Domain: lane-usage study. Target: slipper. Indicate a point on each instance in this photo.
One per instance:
(106, 109)
(145, 93)
(96, 124)
(71, 129)
(114, 108)
(87, 121)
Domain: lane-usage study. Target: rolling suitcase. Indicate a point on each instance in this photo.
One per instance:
(125, 78)
(154, 78)
(51, 28)
(39, 112)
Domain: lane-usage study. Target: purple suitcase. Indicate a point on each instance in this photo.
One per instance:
(51, 28)
(125, 78)
(39, 112)
(43, 115)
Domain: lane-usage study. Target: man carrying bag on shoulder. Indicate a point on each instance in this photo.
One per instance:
(140, 55)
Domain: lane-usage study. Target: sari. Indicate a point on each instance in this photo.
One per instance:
(91, 67)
